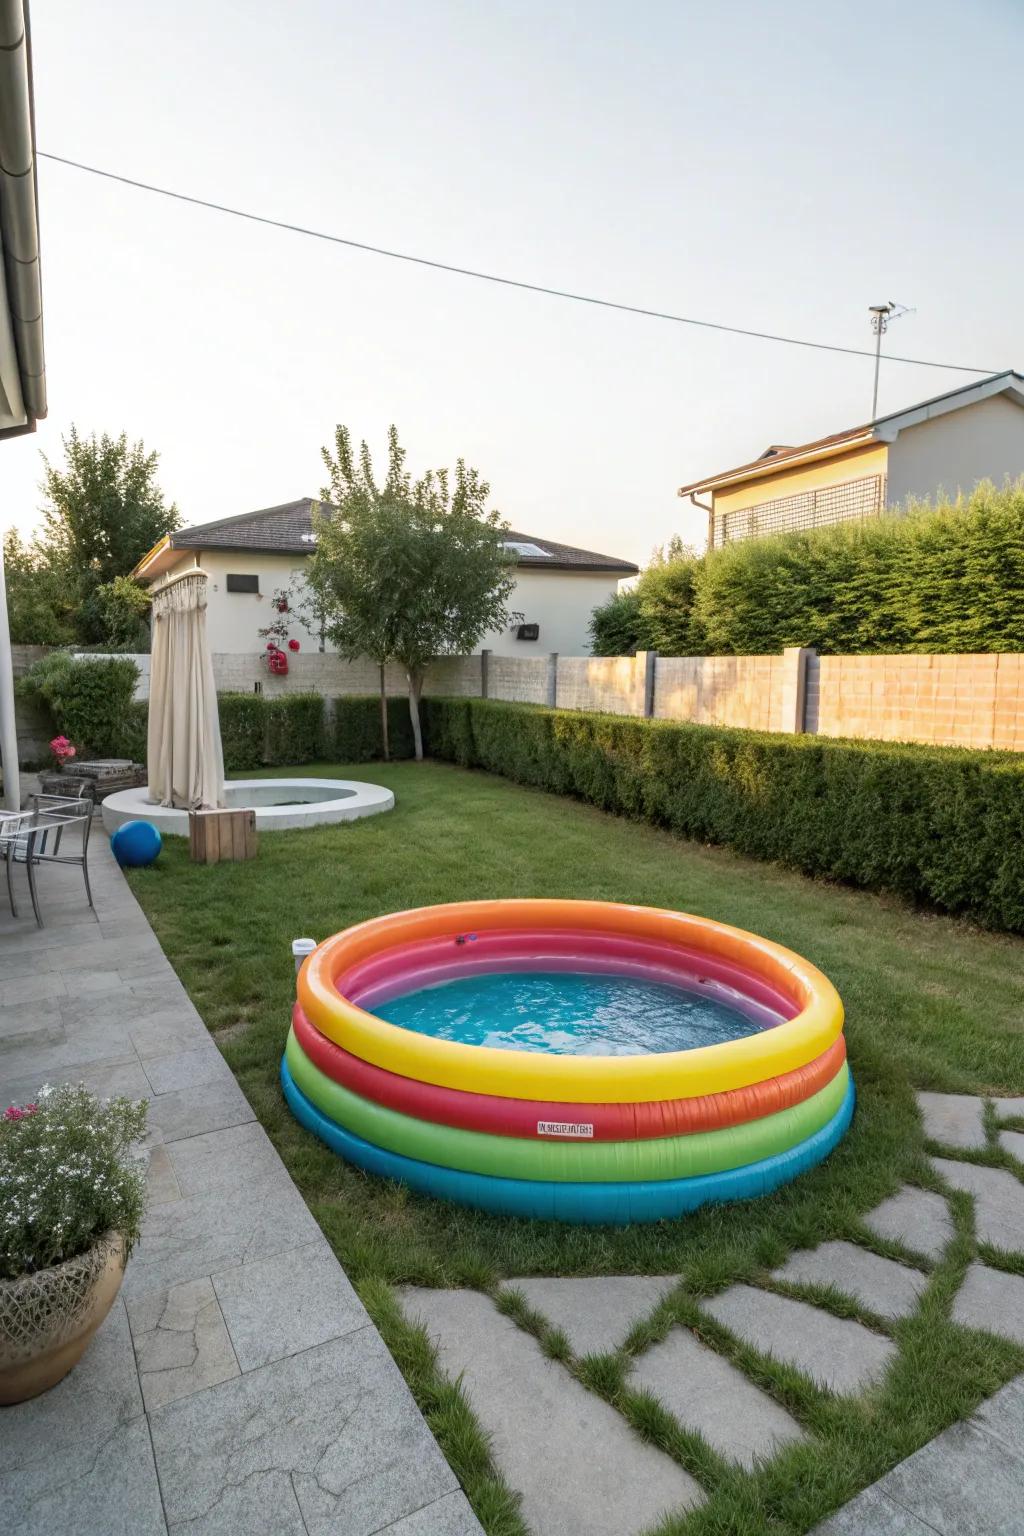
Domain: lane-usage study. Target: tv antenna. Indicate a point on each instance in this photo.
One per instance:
(882, 316)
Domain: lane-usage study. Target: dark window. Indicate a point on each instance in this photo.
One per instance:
(243, 584)
(528, 632)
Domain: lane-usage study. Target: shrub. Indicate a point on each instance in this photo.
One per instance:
(91, 700)
(243, 729)
(935, 824)
(618, 628)
(945, 578)
(356, 737)
(257, 732)
(294, 729)
(67, 1176)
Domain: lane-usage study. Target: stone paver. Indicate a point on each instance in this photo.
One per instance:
(181, 1342)
(917, 1218)
(1008, 1109)
(327, 1441)
(578, 1466)
(968, 1481)
(279, 1306)
(318, 1434)
(954, 1119)
(835, 1352)
(998, 1201)
(992, 1300)
(704, 1392)
(1013, 1142)
(890, 1289)
(595, 1312)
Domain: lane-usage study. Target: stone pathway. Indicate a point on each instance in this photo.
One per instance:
(237, 1385)
(581, 1469)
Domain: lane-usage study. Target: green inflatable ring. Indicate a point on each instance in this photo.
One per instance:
(670, 1157)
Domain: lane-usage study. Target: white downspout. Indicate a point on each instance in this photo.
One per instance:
(8, 728)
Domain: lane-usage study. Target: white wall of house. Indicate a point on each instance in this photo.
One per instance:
(953, 452)
(561, 602)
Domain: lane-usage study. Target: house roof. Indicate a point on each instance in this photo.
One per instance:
(288, 529)
(884, 429)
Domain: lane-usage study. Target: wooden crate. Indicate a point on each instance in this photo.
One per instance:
(217, 836)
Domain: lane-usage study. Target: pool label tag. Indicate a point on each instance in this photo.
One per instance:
(564, 1128)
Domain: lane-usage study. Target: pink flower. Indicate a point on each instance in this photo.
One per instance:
(13, 1112)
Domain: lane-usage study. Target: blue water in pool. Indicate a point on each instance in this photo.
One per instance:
(570, 1013)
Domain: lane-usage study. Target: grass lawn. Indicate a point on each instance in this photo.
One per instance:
(931, 1003)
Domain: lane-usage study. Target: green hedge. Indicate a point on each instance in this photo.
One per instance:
(356, 736)
(257, 732)
(946, 578)
(934, 824)
(90, 701)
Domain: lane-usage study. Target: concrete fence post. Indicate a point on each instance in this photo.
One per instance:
(485, 667)
(794, 688)
(645, 663)
(552, 680)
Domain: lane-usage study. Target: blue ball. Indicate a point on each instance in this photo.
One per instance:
(136, 843)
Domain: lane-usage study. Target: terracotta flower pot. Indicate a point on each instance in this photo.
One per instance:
(47, 1319)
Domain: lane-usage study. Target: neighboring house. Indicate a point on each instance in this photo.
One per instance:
(249, 557)
(947, 444)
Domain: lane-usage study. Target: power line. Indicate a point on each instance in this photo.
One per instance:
(492, 277)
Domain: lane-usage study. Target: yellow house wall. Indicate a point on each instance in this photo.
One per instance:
(855, 465)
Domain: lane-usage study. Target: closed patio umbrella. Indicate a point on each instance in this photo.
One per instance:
(185, 761)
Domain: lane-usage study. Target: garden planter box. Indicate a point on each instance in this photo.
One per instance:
(47, 1318)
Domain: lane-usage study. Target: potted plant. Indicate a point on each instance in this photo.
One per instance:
(63, 751)
(71, 1201)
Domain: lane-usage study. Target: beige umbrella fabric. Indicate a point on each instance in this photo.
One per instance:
(185, 761)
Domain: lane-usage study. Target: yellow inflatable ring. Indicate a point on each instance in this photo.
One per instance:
(816, 1022)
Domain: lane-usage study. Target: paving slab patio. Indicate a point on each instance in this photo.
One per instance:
(837, 1353)
(579, 1467)
(238, 1384)
(954, 1119)
(595, 1312)
(889, 1289)
(707, 1394)
(917, 1218)
(998, 1201)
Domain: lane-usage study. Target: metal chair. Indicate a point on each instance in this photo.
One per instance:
(35, 837)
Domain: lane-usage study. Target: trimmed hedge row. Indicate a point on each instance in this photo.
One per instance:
(357, 735)
(296, 728)
(935, 824)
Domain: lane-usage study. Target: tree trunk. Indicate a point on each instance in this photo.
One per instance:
(415, 688)
(384, 715)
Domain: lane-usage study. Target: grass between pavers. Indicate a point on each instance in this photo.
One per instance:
(931, 1003)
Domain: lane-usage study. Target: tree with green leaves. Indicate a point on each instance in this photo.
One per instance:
(104, 509)
(408, 569)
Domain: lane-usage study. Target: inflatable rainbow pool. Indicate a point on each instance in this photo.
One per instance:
(648, 1062)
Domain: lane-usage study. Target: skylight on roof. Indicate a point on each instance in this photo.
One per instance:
(534, 551)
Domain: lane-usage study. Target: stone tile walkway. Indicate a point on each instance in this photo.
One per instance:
(570, 1455)
(238, 1385)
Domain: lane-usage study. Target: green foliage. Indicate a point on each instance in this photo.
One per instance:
(91, 700)
(946, 578)
(67, 1177)
(356, 736)
(409, 569)
(243, 730)
(122, 605)
(937, 825)
(39, 608)
(257, 732)
(294, 729)
(103, 511)
(619, 628)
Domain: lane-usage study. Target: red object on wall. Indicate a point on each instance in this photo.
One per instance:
(277, 662)
(293, 645)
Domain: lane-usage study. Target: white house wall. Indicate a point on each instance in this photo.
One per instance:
(953, 452)
(560, 602)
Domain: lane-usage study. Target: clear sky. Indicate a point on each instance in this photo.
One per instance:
(778, 166)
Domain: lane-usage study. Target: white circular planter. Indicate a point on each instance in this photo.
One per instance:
(280, 804)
